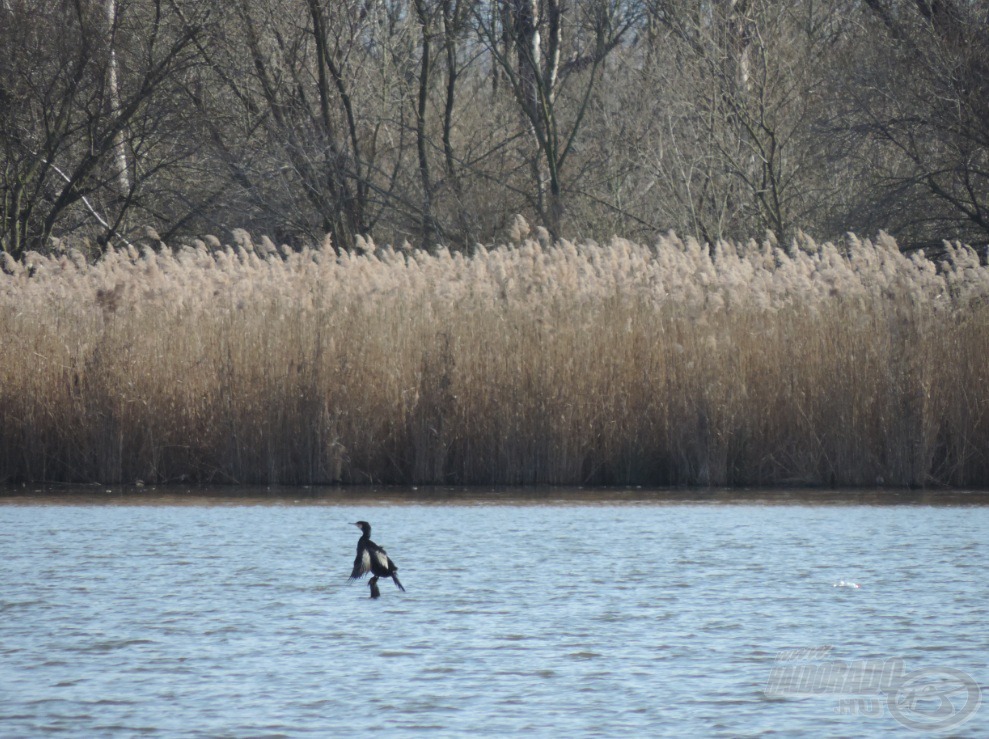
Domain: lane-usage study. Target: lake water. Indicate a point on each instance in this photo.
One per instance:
(561, 615)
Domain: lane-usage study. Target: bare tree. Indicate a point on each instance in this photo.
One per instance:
(66, 117)
(719, 134)
(921, 97)
(540, 77)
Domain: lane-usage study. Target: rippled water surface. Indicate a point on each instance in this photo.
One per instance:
(564, 618)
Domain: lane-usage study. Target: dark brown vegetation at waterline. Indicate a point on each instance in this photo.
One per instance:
(534, 362)
(435, 121)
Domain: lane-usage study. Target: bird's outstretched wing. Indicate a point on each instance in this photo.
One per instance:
(381, 557)
(362, 564)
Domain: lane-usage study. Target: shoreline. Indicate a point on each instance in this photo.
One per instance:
(378, 495)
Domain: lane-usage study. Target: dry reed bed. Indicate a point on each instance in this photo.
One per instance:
(528, 363)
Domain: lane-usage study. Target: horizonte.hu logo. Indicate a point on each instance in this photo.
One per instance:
(927, 699)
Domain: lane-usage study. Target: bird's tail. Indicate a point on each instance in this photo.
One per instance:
(395, 578)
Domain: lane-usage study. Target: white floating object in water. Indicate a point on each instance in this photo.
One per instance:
(843, 584)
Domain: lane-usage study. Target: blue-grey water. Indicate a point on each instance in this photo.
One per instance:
(558, 618)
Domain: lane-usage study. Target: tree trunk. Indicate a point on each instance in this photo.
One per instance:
(119, 140)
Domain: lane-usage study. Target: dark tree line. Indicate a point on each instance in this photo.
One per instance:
(436, 121)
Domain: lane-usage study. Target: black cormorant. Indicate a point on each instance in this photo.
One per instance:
(372, 558)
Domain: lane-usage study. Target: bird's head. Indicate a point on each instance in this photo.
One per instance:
(364, 526)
